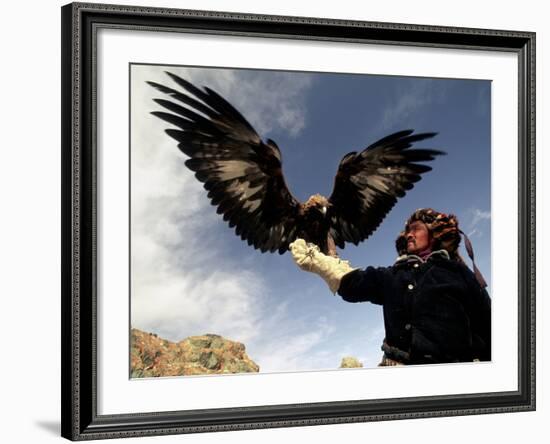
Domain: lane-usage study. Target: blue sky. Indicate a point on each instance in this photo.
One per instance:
(192, 275)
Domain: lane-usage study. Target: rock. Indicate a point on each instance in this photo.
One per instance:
(217, 341)
(350, 362)
(153, 356)
(209, 360)
(199, 341)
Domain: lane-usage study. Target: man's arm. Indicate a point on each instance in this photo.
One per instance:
(363, 285)
(352, 284)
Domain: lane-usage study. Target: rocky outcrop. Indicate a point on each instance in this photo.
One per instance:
(350, 362)
(196, 355)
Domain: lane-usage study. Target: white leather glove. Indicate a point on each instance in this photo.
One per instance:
(309, 258)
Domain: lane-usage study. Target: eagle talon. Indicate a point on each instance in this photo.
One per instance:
(310, 255)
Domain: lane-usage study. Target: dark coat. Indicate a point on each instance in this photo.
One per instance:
(434, 311)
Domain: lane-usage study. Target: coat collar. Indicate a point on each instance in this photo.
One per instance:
(413, 258)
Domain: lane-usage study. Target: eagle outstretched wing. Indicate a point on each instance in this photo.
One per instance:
(241, 173)
(368, 184)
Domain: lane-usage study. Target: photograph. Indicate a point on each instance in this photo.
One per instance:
(274, 221)
(295, 221)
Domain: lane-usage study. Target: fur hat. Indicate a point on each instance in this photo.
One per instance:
(442, 227)
(445, 233)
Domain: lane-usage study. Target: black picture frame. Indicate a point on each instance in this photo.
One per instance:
(80, 420)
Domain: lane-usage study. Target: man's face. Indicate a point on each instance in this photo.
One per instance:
(418, 238)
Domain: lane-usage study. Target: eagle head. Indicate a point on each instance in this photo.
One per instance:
(317, 203)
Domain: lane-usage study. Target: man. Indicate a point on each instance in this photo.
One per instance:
(436, 309)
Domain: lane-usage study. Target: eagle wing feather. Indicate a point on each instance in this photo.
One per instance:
(241, 173)
(368, 184)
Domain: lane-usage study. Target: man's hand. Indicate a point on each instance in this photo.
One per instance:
(309, 258)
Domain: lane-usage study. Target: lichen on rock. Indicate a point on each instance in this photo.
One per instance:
(152, 356)
(350, 362)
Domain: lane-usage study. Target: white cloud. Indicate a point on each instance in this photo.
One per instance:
(409, 98)
(366, 345)
(294, 346)
(478, 222)
(480, 215)
(280, 103)
(270, 101)
(174, 291)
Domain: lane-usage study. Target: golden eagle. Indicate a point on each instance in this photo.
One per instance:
(244, 179)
